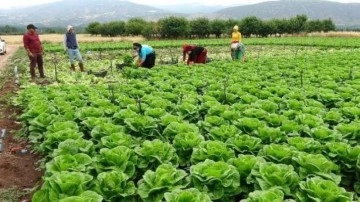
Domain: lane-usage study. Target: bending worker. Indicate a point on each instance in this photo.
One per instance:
(237, 47)
(146, 55)
(196, 54)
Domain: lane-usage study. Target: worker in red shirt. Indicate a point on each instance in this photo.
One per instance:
(34, 49)
(196, 54)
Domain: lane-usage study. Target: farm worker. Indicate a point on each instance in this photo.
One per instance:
(34, 49)
(237, 47)
(72, 47)
(146, 55)
(196, 54)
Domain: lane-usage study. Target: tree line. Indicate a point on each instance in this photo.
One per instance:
(17, 30)
(180, 27)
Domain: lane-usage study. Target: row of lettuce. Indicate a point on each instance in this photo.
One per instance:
(281, 128)
(335, 42)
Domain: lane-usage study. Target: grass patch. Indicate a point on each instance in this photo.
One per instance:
(11, 195)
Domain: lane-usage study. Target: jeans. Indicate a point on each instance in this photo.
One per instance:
(74, 54)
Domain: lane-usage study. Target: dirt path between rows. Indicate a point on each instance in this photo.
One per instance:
(10, 50)
(18, 167)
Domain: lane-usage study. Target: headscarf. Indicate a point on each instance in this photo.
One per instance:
(187, 48)
(69, 27)
(138, 45)
(236, 28)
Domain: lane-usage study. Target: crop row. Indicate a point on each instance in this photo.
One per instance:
(336, 42)
(281, 127)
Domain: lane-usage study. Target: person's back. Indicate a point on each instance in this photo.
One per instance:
(145, 50)
(146, 55)
(196, 54)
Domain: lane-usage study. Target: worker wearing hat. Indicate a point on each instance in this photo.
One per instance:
(34, 49)
(72, 47)
(237, 47)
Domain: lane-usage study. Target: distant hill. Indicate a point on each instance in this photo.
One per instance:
(79, 12)
(82, 12)
(191, 8)
(341, 13)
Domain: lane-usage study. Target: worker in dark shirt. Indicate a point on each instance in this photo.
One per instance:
(34, 49)
(196, 54)
(71, 45)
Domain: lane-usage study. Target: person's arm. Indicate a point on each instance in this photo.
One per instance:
(64, 42)
(41, 46)
(26, 45)
(77, 43)
(239, 37)
(142, 56)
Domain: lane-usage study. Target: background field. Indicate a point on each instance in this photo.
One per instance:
(285, 123)
(58, 38)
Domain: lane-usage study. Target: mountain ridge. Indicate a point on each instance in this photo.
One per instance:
(82, 12)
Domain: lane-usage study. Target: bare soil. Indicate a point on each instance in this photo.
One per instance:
(17, 170)
(10, 50)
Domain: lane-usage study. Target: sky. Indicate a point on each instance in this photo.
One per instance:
(22, 3)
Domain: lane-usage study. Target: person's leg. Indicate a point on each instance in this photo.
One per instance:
(233, 47)
(40, 63)
(79, 59)
(32, 66)
(237, 54)
(71, 58)
(242, 52)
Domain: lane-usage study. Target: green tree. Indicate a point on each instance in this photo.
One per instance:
(7, 29)
(200, 27)
(266, 28)
(150, 30)
(297, 24)
(314, 26)
(250, 25)
(328, 25)
(135, 26)
(230, 23)
(114, 28)
(217, 27)
(93, 28)
(173, 27)
(280, 26)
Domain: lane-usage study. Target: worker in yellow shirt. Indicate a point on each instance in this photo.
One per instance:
(237, 47)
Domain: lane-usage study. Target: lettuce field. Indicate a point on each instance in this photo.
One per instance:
(283, 126)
